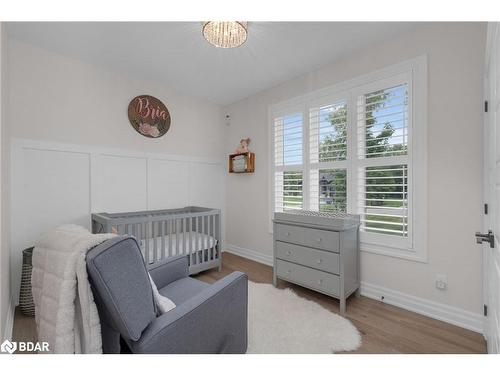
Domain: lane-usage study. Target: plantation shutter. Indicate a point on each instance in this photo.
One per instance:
(328, 137)
(383, 199)
(288, 162)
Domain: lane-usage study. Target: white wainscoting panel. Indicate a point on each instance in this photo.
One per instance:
(54, 184)
(167, 183)
(121, 183)
(54, 188)
(204, 187)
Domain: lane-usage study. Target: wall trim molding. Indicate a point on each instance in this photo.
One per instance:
(249, 254)
(43, 145)
(9, 320)
(440, 311)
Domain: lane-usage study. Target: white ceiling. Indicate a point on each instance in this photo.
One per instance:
(175, 53)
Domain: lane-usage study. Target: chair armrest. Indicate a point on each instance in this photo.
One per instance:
(169, 270)
(214, 321)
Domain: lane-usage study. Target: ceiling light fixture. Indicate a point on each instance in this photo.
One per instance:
(225, 34)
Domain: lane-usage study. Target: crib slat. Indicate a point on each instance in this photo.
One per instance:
(207, 238)
(218, 249)
(161, 227)
(209, 250)
(175, 246)
(190, 235)
(197, 243)
(155, 238)
(169, 238)
(174, 238)
(205, 235)
(202, 239)
(210, 236)
(212, 218)
(146, 242)
(184, 236)
(165, 235)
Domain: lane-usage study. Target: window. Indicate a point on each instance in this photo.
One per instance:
(288, 155)
(351, 148)
(328, 155)
(382, 157)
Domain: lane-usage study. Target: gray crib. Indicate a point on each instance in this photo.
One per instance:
(191, 231)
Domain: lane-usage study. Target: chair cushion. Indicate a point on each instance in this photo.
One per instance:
(163, 304)
(183, 289)
(118, 275)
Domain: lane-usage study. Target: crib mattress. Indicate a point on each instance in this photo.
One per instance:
(179, 243)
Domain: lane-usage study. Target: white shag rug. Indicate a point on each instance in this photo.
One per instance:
(279, 321)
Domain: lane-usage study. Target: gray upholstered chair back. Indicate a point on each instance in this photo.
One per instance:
(121, 286)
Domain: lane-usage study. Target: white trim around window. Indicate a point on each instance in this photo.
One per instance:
(347, 160)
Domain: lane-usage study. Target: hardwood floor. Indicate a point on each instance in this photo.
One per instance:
(384, 328)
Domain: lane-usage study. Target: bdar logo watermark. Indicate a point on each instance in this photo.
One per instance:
(8, 347)
(21, 346)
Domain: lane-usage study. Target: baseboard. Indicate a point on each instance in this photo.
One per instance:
(249, 254)
(446, 313)
(9, 321)
(436, 310)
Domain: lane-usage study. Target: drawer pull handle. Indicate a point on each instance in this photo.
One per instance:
(318, 239)
(320, 261)
(288, 272)
(288, 253)
(320, 281)
(287, 233)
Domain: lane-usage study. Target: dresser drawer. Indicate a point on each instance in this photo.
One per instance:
(308, 277)
(320, 239)
(320, 259)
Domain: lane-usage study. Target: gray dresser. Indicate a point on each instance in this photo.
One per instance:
(319, 251)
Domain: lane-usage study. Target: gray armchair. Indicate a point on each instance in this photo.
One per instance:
(208, 318)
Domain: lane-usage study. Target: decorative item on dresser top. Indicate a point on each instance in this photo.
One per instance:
(319, 251)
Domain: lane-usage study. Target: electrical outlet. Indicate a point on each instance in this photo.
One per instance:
(441, 282)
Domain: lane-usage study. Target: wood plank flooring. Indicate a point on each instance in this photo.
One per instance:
(384, 328)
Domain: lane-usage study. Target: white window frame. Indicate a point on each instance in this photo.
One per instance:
(414, 71)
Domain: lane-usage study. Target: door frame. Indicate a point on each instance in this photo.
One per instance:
(488, 222)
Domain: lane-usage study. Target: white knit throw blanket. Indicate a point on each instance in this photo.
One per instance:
(65, 313)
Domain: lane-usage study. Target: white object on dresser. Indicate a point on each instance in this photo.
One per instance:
(319, 251)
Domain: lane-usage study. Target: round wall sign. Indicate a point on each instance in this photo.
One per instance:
(149, 116)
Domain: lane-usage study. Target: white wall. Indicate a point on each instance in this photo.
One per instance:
(455, 66)
(74, 151)
(5, 295)
(55, 98)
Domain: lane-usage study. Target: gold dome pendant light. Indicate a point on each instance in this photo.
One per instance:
(225, 34)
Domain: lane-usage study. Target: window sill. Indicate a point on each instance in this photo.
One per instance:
(412, 255)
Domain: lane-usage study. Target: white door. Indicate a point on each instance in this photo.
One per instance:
(491, 255)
